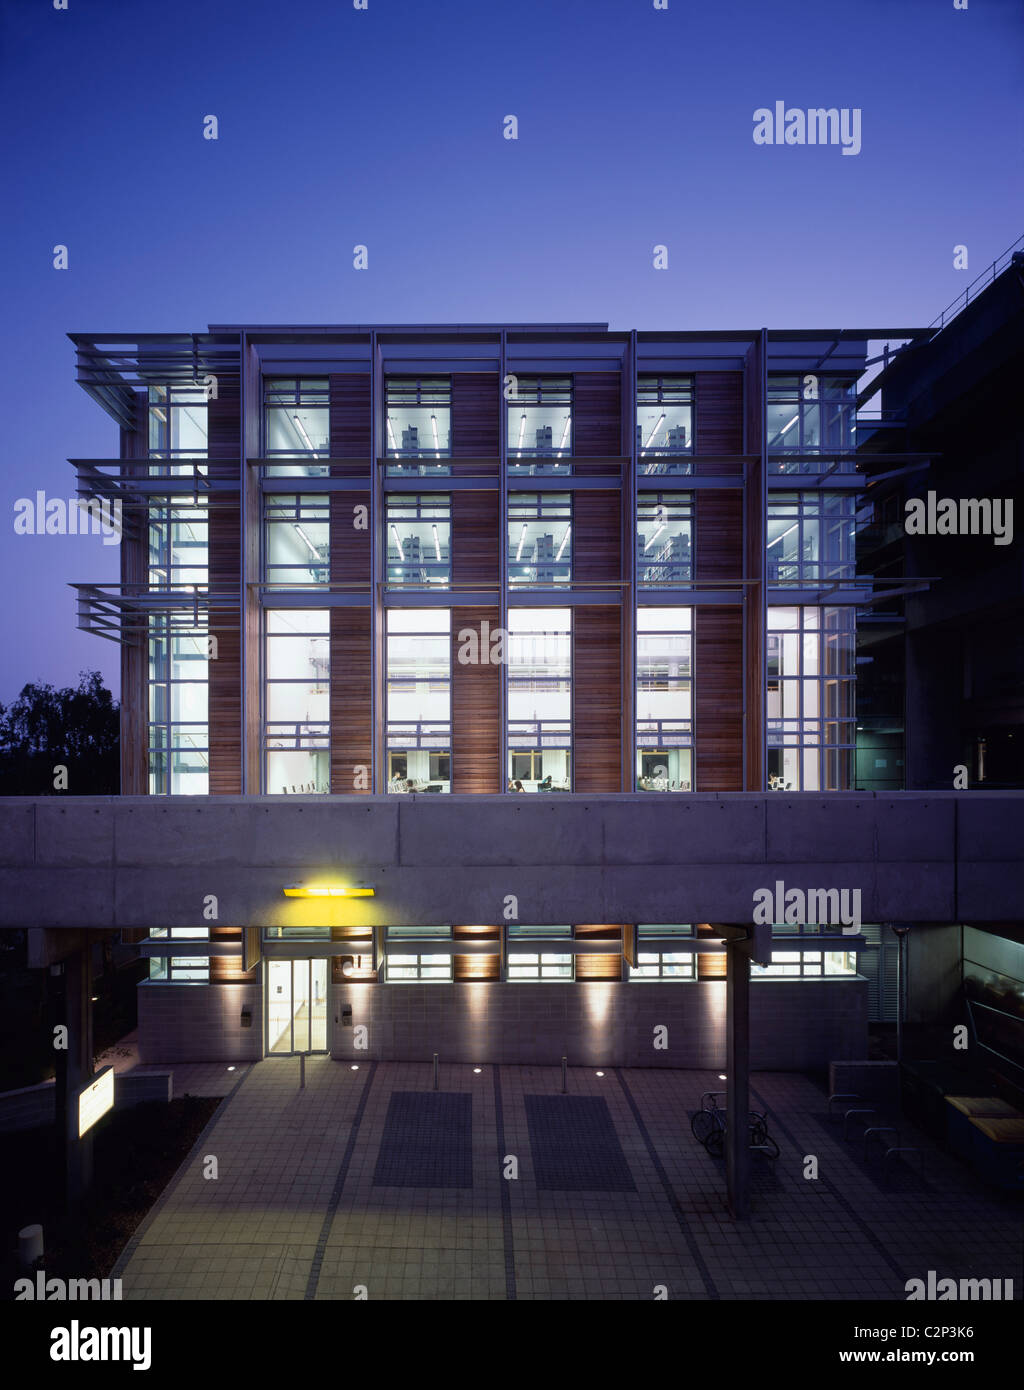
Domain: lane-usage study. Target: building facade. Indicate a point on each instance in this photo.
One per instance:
(548, 560)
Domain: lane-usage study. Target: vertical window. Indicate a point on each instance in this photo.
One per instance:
(539, 699)
(178, 566)
(810, 415)
(540, 425)
(417, 424)
(664, 424)
(664, 539)
(419, 537)
(664, 693)
(419, 730)
(298, 541)
(810, 537)
(297, 701)
(179, 759)
(539, 538)
(296, 425)
(811, 679)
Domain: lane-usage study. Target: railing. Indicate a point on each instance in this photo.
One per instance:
(973, 289)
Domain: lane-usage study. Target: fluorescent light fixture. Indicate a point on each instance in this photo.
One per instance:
(437, 543)
(522, 538)
(398, 541)
(522, 428)
(391, 435)
(160, 413)
(655, 535)
(564, 540)
(433, 426)
(782, 537)
(328, 890)
(653, 432)
(788, 427)
(302, 430)
(565, 431)
(312, 547)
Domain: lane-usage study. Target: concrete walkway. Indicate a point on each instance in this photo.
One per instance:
(368, 1183)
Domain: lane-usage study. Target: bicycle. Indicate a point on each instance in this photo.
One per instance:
(709, 1127)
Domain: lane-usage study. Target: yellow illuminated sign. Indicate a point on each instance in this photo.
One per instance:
(327, 890)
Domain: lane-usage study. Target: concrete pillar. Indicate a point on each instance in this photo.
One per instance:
(78, 1017)
(737, 1097)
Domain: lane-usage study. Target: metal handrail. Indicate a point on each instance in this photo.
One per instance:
(962, 300)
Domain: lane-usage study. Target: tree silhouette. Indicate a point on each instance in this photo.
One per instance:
(77, 727)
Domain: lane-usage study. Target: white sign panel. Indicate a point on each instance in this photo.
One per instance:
(95, 1099)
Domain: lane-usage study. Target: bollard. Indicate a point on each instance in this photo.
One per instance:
(435, 1071)
(302, 1071)
(30, 1245)
(563, 1075)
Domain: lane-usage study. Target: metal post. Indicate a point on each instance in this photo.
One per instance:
(302, 1071)
(435, 1071)
(737, 1097)
(563, 1075)
(900, 933)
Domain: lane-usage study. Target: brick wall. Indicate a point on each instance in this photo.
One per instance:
(199, 1023)
(795, 1025)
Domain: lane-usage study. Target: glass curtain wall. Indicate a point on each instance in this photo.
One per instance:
(540, 700)
(297, 690)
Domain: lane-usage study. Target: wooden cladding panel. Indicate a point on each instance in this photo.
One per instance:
(603, 966)
(350, 544)
(225, 576)
(711, 965)
(597, 417)
(476, 407)
(718, 699)
(476, 542)
(351, 686)
(225, 695)
(718, 544)
(599, 967)
(224, 422)
(596, 537)
(350, 421)
(476, 967)
(719, 416)
(597, 699)
(475, 705)
(225, 968)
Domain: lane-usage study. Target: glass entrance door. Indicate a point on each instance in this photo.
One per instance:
(296, 994)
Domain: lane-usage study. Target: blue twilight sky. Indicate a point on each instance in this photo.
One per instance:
(384, 127)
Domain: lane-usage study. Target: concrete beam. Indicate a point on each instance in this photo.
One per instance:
(113, 862)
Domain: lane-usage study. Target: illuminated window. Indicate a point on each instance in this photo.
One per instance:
(664, 696)
(418, 535)
(539, 699)
(297, 701)
(540, 425)
(539, 538)
(810, 690)
(417, 424)
(664, 424)
(664, 539)
(296, 425)
(419, 730)
(810, 415)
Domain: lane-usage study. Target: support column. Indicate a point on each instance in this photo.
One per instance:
(78, 1017)
(737, 1098)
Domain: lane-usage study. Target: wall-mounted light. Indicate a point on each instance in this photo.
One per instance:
(328, 890)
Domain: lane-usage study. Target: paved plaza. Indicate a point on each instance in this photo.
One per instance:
(369, 1183)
